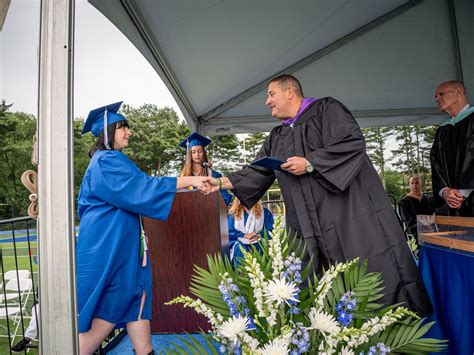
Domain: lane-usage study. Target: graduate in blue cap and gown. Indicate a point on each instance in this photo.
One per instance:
(113, 270)
(197, 163)
(246, 227)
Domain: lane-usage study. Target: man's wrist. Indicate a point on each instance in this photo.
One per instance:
(441, 192)
(220, 183)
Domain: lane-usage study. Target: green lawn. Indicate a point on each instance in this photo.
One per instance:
(8, 263)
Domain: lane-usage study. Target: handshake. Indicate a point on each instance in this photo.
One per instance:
(205, 184)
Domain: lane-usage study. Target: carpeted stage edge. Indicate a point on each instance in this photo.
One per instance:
(161, 342)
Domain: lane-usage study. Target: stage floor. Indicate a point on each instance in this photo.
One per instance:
(161, 342)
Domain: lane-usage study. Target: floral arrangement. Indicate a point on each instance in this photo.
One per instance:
(262, 307)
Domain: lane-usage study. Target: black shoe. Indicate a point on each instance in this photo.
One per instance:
(21, 345)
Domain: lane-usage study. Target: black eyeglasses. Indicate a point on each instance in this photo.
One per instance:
(122, 124)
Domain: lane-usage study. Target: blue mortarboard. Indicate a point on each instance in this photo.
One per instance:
(195, 139)
(100, 117)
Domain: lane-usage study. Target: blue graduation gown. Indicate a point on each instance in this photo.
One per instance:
(225, 194)
(234, 234)
(110, 276)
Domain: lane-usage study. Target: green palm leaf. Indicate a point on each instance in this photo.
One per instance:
(193, 346)
(407, 337)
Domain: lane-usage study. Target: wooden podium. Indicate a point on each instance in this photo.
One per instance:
(196, 226)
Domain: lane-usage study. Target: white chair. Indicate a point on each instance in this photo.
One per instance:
(10, 314)
(16, 290)
(17, 274)
(13, 274)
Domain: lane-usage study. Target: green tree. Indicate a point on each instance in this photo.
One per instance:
(82, 144)
(413, 152)
(403, 156)
(224, 153)
(394, 184)
(17, 130)
(155, 139)
(376, 139)
(250, 146)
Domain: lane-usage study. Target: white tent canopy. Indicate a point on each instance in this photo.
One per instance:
(383, 59)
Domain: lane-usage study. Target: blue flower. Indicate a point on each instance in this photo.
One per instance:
(251, 325)
(345, 307)
(300, 338)
(383, 349)
(344, 318)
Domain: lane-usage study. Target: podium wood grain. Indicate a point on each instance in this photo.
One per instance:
(196, 226)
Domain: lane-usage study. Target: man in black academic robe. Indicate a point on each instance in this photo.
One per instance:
(452, 153)
(333, 196)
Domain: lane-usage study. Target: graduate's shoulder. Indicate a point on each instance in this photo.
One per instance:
(112, 158)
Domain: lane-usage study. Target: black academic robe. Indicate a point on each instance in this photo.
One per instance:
(452, 164)
(341, 209)
(410, 207)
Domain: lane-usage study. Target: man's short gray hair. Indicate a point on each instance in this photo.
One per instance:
(286, 80)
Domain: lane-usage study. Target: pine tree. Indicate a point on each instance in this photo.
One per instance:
(250, 147)
(376, 139)
(224, 153)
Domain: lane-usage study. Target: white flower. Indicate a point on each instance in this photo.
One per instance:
(280, 291)
(324, 322)
(346, 351)
(275, 347)
(233, 327)
(276, 254)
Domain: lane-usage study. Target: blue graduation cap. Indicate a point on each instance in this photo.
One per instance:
(102, 117)
(195, 139)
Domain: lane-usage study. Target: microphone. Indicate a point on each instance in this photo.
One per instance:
(205, 164)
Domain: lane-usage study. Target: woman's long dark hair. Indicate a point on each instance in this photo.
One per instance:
(99, 143)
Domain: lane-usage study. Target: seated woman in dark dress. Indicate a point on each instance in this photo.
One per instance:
(413, 204)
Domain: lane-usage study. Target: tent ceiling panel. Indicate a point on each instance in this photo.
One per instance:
(394, 66)
(381, 58)
(464, 11)
(200, 37)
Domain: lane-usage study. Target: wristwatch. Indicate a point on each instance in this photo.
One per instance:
(309, 168)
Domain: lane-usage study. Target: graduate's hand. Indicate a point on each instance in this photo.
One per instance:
(198, 182)
(295, 165)
(210, 185)
(252, 236)
(186, 181)
(453, 197)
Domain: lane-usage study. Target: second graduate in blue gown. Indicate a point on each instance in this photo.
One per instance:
(246, 227)
(197, 163)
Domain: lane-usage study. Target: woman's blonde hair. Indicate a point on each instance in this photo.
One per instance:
(188, 164)
(237, 209)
